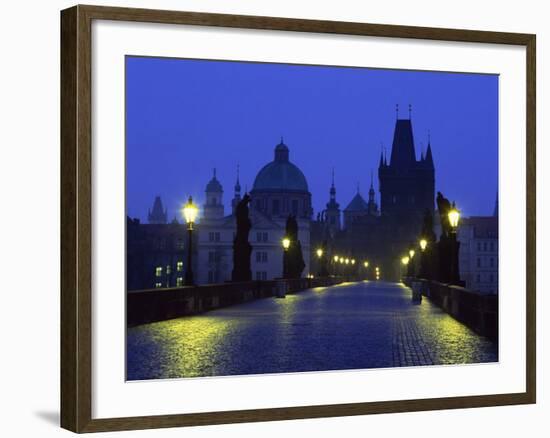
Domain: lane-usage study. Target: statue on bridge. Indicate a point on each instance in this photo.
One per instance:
(241, 247)
(443, 207)
(293, 259)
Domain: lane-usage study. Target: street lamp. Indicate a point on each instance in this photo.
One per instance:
(286, 243)
(423, 244)
(190, 212)
(405, 260)
(454, 217)
(353, 261)
(322, 268)
(366, 264)
(411, 253)
(347, 261)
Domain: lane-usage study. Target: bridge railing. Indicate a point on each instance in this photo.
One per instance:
(477, 311)
(150, 305)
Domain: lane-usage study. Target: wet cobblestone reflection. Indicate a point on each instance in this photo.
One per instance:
(350, 326)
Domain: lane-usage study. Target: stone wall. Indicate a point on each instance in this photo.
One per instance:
(477, 311)
(151, 305)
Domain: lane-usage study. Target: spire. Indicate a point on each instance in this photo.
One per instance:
(332, 188)
(381, 158)
(158, 215)
(429, 159)
(237, 197)
(402, 153)
(421, 151)
(237, 183)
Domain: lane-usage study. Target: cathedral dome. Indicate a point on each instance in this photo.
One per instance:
(281, 174)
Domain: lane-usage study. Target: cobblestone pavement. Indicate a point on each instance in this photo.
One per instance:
(349, 326)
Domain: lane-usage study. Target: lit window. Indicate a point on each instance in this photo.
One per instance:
(158, 271)
(157, 285)
(179, 266)
(179, 281)
(168, 269)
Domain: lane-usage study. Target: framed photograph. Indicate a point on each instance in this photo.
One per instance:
(271, 218)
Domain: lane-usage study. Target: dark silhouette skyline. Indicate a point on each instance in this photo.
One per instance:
(186, 117)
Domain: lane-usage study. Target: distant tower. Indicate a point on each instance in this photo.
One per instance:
(158, 215)
(213, 209)
(495, 211)
(237, 196)
(333, 210)
(407, 186)
(372, 206)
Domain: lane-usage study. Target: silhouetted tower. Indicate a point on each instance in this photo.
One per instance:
(407, 186)
(213, 209)
(237, 195)
(158, 215)
(332, 213)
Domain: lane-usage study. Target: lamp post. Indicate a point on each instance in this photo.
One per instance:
(405, 261)
(190, 212)
(335, 263)
(320, 254)
(454, 218)
(423, 243)
(410, 270)
(366, 266)
(286, 245)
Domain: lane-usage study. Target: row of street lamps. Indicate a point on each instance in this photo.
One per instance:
(454, 218)
(190, 212)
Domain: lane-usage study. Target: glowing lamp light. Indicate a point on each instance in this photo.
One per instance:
(347, 261)
(336, 258)
(353, 261)
(411, 253)
(366, 264)
(454, 217)
(320, 252)
(405, 260)
(286, 243)
(423, 244)
(190, 212)
(341, 259)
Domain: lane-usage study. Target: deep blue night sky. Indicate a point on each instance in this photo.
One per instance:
(185, 117)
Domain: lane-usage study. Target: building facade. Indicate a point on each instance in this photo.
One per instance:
(478, 254)
(156, 254)
(280, 189)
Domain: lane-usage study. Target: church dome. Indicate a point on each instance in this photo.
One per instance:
(281, 174)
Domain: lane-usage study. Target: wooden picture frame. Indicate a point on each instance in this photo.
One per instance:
(76, 217)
